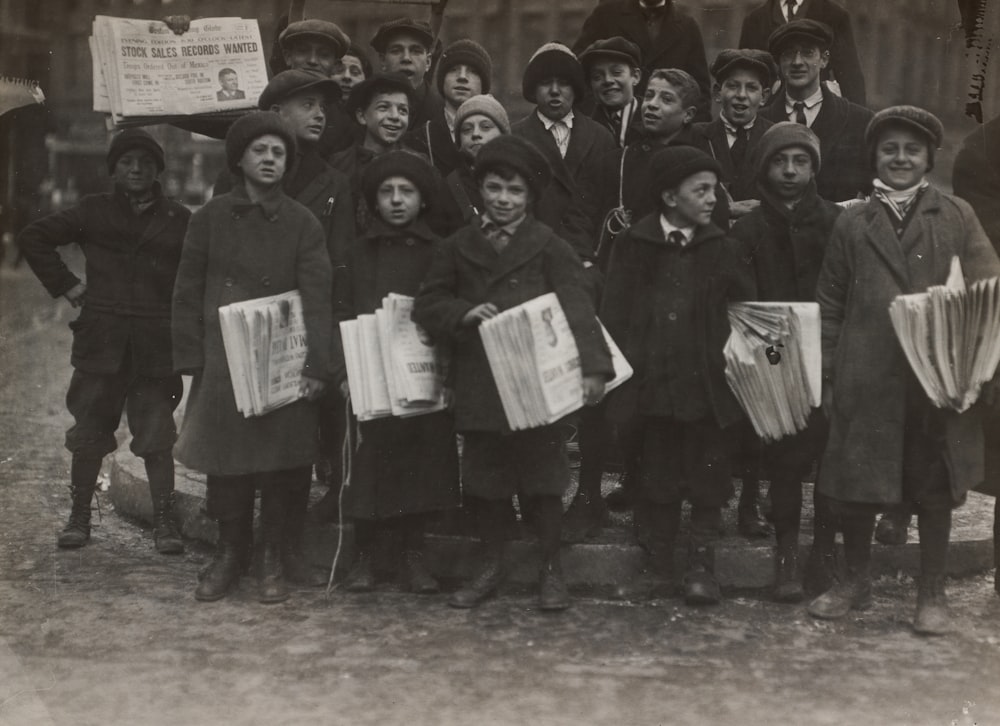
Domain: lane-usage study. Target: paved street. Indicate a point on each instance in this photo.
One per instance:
(111, 634)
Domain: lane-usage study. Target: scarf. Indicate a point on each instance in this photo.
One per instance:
(898, 201)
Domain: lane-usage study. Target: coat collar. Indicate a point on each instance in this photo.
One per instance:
(880, 234)
(270, 205)
(530, 240)
(161, 212)
(648, 229)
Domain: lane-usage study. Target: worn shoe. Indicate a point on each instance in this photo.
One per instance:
(361, 578)
(701, 588)
(271, 587)
(165, 533)
(74, 534)
(822, 572)
(221, 576)
(482, 587)
(552, 591)
(932, 616)
(892, 528)
(419, 579)
(839, 600)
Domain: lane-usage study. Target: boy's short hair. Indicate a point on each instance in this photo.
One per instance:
(407, 164)
(508, 155)
(363, 93)
(683, 81)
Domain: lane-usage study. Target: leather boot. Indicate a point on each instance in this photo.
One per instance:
(854, 591)
(83, 482)
(552, 591)
(294, 561)
(160, 475)
(892, 528)
(822, 570)
(224, 571)
(787, 575)
(270, 577)
(932, 616)
(489, 575)
(700, 585)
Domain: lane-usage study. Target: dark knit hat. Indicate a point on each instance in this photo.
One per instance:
(252, 126)
(419, 28)
(288, 83)
(912, 117)
(553, 60)
(518, 154)
(363, 93)
(483, 105)
(616, 48)
(781, 136)
(812, 32)
(322, 30)
(757, 61)
(402, 163)
(470, 53)
(674, 164)
(134, 139)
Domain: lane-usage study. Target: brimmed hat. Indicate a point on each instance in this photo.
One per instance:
(810, 31)
(252, 126)
(917, 119)
(481, 105)
(419, 28)
(288, 83)
(319, 29)
(362, 94)
(553, 60)
(616, 48)
(674, 164)
(470, 53)
(757, 61)
(781, 136)
(518, 154)
(402, 163)
(134, 139)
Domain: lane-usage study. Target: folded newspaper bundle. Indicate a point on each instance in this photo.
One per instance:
(536, 364)
(951, 337)
(143, 73)
(774, 364)
(265, 342)
(392, 367)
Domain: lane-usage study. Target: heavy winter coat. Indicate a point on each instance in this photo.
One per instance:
(467, 271)
(866, 266)
(739, 181)
(844, 67)
(722, 277)
(131, 263)
(402, 465)
(845, 170)
(434, 140)
(234, 251)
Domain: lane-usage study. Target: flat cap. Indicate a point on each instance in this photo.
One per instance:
(319, 29)
(809, 31)
(921, 121)
(617, 48)
(385, 31)
(757, 61)
(295, 81)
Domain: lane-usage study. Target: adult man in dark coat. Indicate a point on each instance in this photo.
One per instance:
(404, 46)
(802, 49)
(666, 35)
(844, 68)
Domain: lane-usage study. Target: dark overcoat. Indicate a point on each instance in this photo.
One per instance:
(844, 67)
(131, 263)
(235, 251)
(402, 465)
(865, 267)
(627, 311)
(845, 169)
(738, 179)
(433, 139)
(467, 271)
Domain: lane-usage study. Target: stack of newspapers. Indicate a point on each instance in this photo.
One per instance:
(774, 364)
(393, 369)
(536, 364)
(951, 337)
(265, 342)
(143, 73)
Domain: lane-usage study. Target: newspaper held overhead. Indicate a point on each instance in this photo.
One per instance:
(144, 73)
(19, 92)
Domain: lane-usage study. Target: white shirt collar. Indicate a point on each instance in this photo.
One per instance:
(667, 228)
(731, 127)
(549, 123)
(811, 102)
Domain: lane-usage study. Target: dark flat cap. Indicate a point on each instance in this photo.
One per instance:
(319, 29)
(809, 31)
(402, 25)
(617, 48)
(295, 81)
(924, 122)
(364, 92)
(758, 61)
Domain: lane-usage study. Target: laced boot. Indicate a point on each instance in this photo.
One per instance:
(700, 585)
(223, 572)
(484, 585)
(165, 533)
(787, 575)
(854, 591)
(294, 561)
(932, 616)
(270, 577)
(83, 482)
(822, 570)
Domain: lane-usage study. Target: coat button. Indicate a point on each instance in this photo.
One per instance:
(229, 282)
(513, 282)
(410, 242)
(265, 281)
(672, 317)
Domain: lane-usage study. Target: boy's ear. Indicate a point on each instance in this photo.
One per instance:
(824, 58)
(689, 114)
(668, 197)
(359, 116)
(717, 92)
(636, 75)
(765, 95)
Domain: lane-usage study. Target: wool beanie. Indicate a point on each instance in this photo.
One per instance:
(916, 119)
(470, 53)
(134, 139)
(553, 60)
(674, 164)
(518, 154)
(252, 126)
(402, 163)
(781, 136)
(483, 105)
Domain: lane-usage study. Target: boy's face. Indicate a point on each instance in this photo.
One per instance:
(263, 161)
(461, 83)
(310, 54)
(555, 98)
(406, 53)
(800, 64)
(348, 72)
(135, 171)
(789, 172)
(741, 94)
(305, 114)
(506, 200)
(475, 131)
(663, 111)
(398, 201)
(691, 202)
(386, 117)
(613, 82)
(901, 157)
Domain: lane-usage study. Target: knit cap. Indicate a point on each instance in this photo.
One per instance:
(470, 53)
(484, 105)
(781, 136)
(252, 126)
(672, 165)
(518, 154)
(402, 163)
(322, 30)
(553, 60)
(134, 139)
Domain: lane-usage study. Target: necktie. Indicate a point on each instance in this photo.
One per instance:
(560, 132)
(791, 8)
(497, 235)
(800, 113)
(676, 237)
(738, 150)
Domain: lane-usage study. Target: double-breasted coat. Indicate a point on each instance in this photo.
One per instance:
(237, 250)
(865, 267)
(740, 180)
(402, 465)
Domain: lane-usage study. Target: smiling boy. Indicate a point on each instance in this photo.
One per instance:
(404, 46)
(613, 69)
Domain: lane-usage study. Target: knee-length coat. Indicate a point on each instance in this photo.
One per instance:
(236, 250)
(865, 267)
